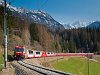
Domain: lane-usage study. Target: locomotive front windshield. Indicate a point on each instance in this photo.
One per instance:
(19, 49)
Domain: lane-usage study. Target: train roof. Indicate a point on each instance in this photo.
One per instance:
(19, 46)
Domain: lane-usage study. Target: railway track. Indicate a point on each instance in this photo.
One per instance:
(42, 70)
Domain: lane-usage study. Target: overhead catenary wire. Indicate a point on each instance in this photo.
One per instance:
(39, 9)
(11, 2)
(43, 5)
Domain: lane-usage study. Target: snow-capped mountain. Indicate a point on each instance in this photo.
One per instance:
(95, 24)
(35, 16)
(1, 2)
(76, 24)
(44, 18)
(67, 26)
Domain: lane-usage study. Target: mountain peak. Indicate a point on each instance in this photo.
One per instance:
(76, 24)
(95, 24)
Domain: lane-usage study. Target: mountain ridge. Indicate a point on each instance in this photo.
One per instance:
(95, 24)
(79, 24)
(35, 16)
(44, 18)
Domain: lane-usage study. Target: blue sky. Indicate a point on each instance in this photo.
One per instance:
(64, 11)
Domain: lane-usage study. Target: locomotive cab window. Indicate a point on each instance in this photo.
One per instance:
(21, 49)
(16, 49)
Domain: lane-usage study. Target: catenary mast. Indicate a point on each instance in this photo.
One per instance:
(5, 34)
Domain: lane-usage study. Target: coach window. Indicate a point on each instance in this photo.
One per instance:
(30, 52)
(48, 52)
(37, 52)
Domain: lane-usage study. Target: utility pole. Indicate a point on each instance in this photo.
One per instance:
(88, 63)
(5, 34)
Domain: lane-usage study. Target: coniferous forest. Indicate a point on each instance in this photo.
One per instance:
(81, 40)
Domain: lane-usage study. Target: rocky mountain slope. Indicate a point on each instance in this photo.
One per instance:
(35, 16)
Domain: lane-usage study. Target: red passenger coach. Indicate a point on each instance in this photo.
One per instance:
(75, 54)
(21, 51)
(35, 54)
(44, 54)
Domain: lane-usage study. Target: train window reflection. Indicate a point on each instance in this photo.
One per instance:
(30, 52)
(19, 49)
(37, 52)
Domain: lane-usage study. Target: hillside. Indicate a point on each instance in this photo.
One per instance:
(44, 36)
(21, 32)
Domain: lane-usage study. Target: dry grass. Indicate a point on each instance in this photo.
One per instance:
(97, 57)
(1, 51)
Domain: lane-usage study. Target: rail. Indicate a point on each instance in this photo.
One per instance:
(42, 70)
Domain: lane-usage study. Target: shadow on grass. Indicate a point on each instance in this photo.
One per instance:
(9, 58)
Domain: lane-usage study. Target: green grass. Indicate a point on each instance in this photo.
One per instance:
(10, 55)
(77, 66)
(1, 62)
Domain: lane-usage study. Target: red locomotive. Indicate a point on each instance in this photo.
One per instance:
(19, 51)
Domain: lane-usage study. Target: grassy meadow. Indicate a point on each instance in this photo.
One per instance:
(1, 59)
(77, 65)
